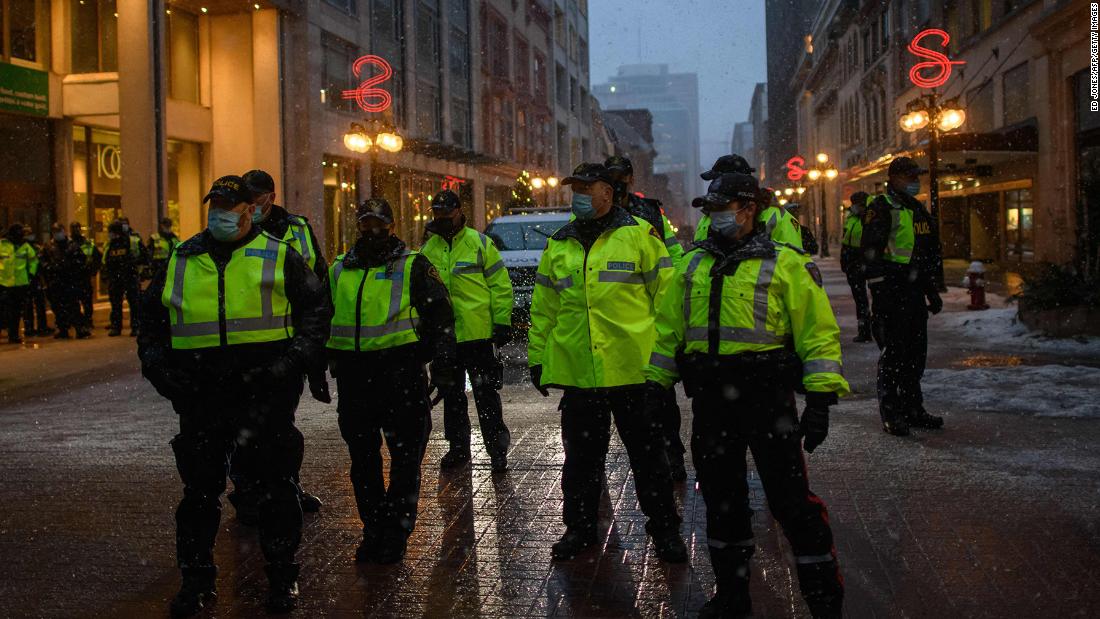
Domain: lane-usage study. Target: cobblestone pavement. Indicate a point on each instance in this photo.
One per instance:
(994, 516)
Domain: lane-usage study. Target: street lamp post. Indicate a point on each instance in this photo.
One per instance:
(386, 138)
(823, 171)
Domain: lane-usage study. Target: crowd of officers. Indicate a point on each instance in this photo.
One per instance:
(239, 318)
(63, 271)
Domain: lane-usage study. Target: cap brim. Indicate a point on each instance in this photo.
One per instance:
(709, 175)
(220, 193)
(573, 180)
(382, 218)
(716, 199)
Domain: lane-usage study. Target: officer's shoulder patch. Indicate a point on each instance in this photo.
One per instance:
(868, 215)
(815, 273)
(434, 274)
(653, 233)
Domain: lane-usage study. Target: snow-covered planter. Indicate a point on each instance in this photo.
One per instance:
(1061, 321)
(1061, 302)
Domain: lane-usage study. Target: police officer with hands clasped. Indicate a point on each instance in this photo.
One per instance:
(227, 331)
(851, 263)
(481, 291)
(901, 254)
(745, 323)
(591, 334)
(392, 315)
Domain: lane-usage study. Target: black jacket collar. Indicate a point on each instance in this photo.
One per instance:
(617, 218)
(357, 258)
(204, 243)
(756, 245)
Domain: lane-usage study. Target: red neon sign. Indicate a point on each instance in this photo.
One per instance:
(936, 60)
(452, 183)
(367, 97)
(795, 171)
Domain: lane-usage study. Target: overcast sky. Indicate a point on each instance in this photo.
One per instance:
(722, 41)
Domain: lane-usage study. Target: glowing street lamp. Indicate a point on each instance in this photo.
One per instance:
(538, 182)
(357, 140)
(822, 171)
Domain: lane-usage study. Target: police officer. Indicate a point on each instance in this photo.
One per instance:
(34, 310)
(667, 413)
(295, 231)
(93, 259)
(63, 269)
(481, 292)
(122, 259)
(809, 241)
(745, 321)
(16, 256)
(780, 225)
(160, 245)
(901, 251)
(391, 316)
(591, 334)
(851, 263)
(228, 330)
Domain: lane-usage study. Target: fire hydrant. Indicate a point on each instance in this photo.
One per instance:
(975, 283)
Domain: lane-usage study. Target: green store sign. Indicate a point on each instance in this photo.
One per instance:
(24, 91)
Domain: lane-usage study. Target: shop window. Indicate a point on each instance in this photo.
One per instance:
(1017, 94)
(341, 192)
(94, 36)
(1019, 236)
(183, 56)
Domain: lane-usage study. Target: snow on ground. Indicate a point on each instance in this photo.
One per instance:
(998, 327)
(1043, 390)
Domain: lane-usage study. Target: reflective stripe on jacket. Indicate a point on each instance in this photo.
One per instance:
(372, 307)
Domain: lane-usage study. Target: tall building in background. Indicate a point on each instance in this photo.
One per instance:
(742, 141)
(673, 99)
(134, 106)
(787, 25)
(758, 117)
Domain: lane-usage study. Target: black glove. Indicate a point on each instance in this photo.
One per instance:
(536, 380)
(169, 382)
(444, 377)
(502, 334)
(273, 373)
(815, 419)
(935, 303)
(318, 387)
(332, 366)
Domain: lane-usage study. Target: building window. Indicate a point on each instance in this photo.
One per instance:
(541, 90)
(561, 83)
(337, 57)
(428, 110)
(458, 46)
(387, 36)
(1017, 94)
(21, 37)
(521, 136)
(563, 148)
(523, 67)
(1019, 238)
(574, 95)
(460, 122)
(347, 6)
(94, 36)
(495, 47)
(183, 56)
(979, 108)
(428, 70)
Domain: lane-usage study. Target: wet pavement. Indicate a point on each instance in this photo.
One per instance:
(994, 516)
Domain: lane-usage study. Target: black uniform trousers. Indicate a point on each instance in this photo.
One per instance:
(479, 359)
(35, 307)
(390, 401)
(901, 321)
(586, 416)
(64, 298)
(117, 290)
(853, 271)
(12, 299)
(85, 294)
(762, 419)
(668, 421)
(213, 427)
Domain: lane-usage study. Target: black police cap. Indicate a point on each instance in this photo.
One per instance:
(229, 188)
(258, 181)
(377, 208)
(727, 164)
(903, 166)
(446, 201)
(620, 165)
(590, 172)
(727, 188)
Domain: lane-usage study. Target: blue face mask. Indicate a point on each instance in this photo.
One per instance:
(223, 225)
(258, 215)
(913, 188)
(582, 206)
(725, 223)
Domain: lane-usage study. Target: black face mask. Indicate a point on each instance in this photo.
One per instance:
(374, 235)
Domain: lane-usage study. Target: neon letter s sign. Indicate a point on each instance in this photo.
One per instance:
(795, 171)
(367, 97)
(936, 60)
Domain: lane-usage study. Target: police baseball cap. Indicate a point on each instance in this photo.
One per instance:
(727, 164)
(588, 173)
(377, 208)
(619, 165)
(229, 188)
(903, 166)
(258, 181)
(446, 201)
(727, 188)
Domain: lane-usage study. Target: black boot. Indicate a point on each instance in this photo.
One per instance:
(196, 592)
(83, 334)
(499, 462)
(456, 457)
(919, 418)
(282, 578)
(893, 420)
(391, 548)
(573, 543)
(822, 588)
(731, 574)
(669, 545)
(62, 334)
(310, 503)
(864, 334)
(368, 548)
(246, 503)
(676, 466)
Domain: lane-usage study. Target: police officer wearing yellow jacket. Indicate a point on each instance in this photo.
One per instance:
(591, 334)
(228, 330)
(160, 245)
(16, 261)
(123, 257)
(901, 253)
(481, 292)
(779, 224)
(745, 322)
(851, 263)
(392, 315)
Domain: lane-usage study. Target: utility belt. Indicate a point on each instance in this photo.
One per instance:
(778, 369)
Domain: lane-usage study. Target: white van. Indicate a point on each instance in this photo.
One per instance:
(521, 239)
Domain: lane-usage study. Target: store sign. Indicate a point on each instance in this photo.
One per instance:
(368, 97)
(936, 60)
(453, 183)
(24, 91)
(795, 171)
(108, 161)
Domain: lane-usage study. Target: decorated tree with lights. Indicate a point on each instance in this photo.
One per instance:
(522, 192)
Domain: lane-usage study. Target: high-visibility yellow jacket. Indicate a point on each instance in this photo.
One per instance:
(774, 299)
(782, 227)
(161, 246)
(245, 303)
(481, 291)
(373, 307)
(18, 264)
(853, 231)
(592, 311)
